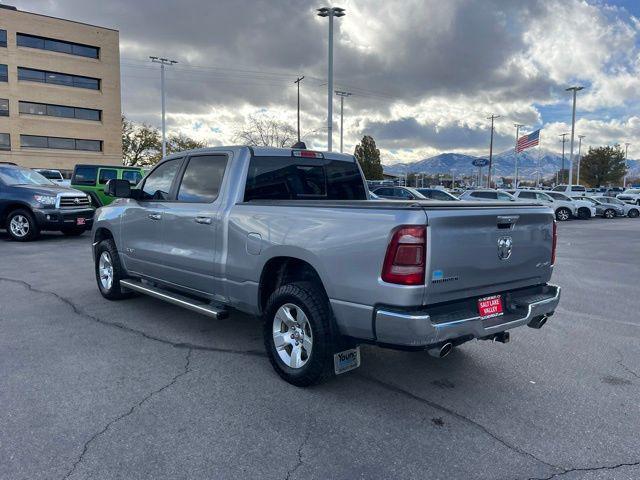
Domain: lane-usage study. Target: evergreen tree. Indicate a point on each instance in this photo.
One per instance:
(602, 166)
(368, 157)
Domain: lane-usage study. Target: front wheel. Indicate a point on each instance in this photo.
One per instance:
(634, 213)
(22, 226)
(109, 271)
(584, 213)
(609, 213)
(298, 334)
(563, 214)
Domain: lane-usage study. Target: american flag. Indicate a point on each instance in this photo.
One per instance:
(527, 141)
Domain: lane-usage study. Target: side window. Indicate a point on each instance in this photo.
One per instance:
(504, 197)
(382, 191)
(85, 176)
(489, 195)
(133, 176)
(106, 175)
(438, 195)
(543, 197)
(157, 186)
(578, 188)
(202, 179)
(527, 195)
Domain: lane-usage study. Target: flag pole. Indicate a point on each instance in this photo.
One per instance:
(539, 157)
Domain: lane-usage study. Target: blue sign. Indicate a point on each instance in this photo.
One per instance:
(480, 162)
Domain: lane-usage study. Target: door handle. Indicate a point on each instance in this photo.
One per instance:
(203, 220)
(155, 216)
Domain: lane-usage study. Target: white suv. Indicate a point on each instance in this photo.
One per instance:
(584, 208)
(630, 195)
(571, 190)
(564, 208)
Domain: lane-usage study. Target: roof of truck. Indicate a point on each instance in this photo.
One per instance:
(264, 152)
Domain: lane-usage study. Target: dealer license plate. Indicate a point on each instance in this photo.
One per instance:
(81, 221)
(490, 306)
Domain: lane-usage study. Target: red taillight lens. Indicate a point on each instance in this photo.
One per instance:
(404, 262)
(554, 242)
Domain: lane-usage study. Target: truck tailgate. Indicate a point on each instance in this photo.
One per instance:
(478, 251)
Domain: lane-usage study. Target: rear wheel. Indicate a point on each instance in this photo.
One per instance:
(109, 271)
(563, 214)
(584, 213)
(633, 213)
(298, 334)
(609, 213)
(22, 226)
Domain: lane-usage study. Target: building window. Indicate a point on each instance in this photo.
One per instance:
(53, 45)
(4, 73)
(4, 107)
(42, 76)
(5, 141)
(32, 108)
(3, 38)
(60, 143)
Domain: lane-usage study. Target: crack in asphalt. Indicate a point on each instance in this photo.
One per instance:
(587, 469)
(459, 416)
(624, 366)
(147, 397)
(300, 460)
(78, 311)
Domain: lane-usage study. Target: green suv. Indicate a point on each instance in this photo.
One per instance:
(91, 179)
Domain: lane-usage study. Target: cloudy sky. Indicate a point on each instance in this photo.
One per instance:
(424, 74)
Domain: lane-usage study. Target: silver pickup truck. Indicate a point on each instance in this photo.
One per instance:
(291, 235)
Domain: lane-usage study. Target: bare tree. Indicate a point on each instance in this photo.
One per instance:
(140, 143)
(265, 132)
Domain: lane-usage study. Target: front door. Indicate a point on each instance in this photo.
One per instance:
(143, 221)
(192, 226)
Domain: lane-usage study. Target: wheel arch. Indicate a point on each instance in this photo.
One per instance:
(10, 207)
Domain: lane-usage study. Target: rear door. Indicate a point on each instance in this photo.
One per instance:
(193, 224)
(143, 220)
(477, 251)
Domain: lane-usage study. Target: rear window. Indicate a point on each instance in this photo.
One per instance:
(85, 175)
(133, 176)
(286, 178)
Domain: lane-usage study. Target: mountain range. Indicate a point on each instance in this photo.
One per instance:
(503, 164)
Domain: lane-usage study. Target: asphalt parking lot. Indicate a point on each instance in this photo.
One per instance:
(142, 389)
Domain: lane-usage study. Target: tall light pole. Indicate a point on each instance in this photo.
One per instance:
(575, 90)
(515, 151)
(163, 62)
(330, 12)
(580, 137)
(297, 81)
(342, 94)
(564, 140)
(492, 118)
(626, 155)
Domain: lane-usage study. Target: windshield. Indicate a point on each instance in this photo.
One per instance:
(22, 176)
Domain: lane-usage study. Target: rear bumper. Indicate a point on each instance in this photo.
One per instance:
(458, 320)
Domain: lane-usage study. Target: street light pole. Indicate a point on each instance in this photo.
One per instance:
(163, 62)
(515, 149)
(342, 94)
(297, 81)
(626, 155)
(575, 90)
(580, 137)
(564, 140)
(330, 12)
(492, 118)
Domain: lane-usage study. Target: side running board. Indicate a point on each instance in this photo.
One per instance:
(176, 299)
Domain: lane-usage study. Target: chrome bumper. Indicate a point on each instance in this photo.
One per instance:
(417, 330)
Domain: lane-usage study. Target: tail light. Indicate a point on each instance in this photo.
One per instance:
(404, 262)
(554, 242)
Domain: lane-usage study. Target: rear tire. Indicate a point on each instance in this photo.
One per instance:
(298, 318)
(563, 214)
(22, 226)
(109, 271)
(609, 213)
(584, 213)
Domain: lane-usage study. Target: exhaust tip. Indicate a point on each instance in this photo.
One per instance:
(538, 322)
(441, 351)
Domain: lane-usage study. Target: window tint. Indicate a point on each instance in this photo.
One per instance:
(3, 38)
(440, 195)
(4, 73)
(527, 195)
(4, 107)
(106, 174)
(157, 185)
(5, 141)
(61, 143)
(578, 188)
(383, 191)
(402, 193)
(202, 179)
(490, 195)
(36, 141)
(32, 108)
(559, 188)
(43, 76)
(89, 145)
(43, 43)
(132, 175)
(33, 141)
(504, 196)
(85, 175)
(288, 178)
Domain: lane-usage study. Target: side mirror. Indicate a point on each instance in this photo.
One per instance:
(118, 188)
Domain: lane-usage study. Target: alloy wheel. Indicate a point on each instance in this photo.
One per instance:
(19, 226)
(105, 270)
(292, 335)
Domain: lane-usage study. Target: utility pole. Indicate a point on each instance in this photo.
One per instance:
(330, 12)
(564, 140)
(580, 137)
(575, 90)
(515, 151)
(342, 94)
(492, 118)
(297, 81)
(626, 155)
(163, 62)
